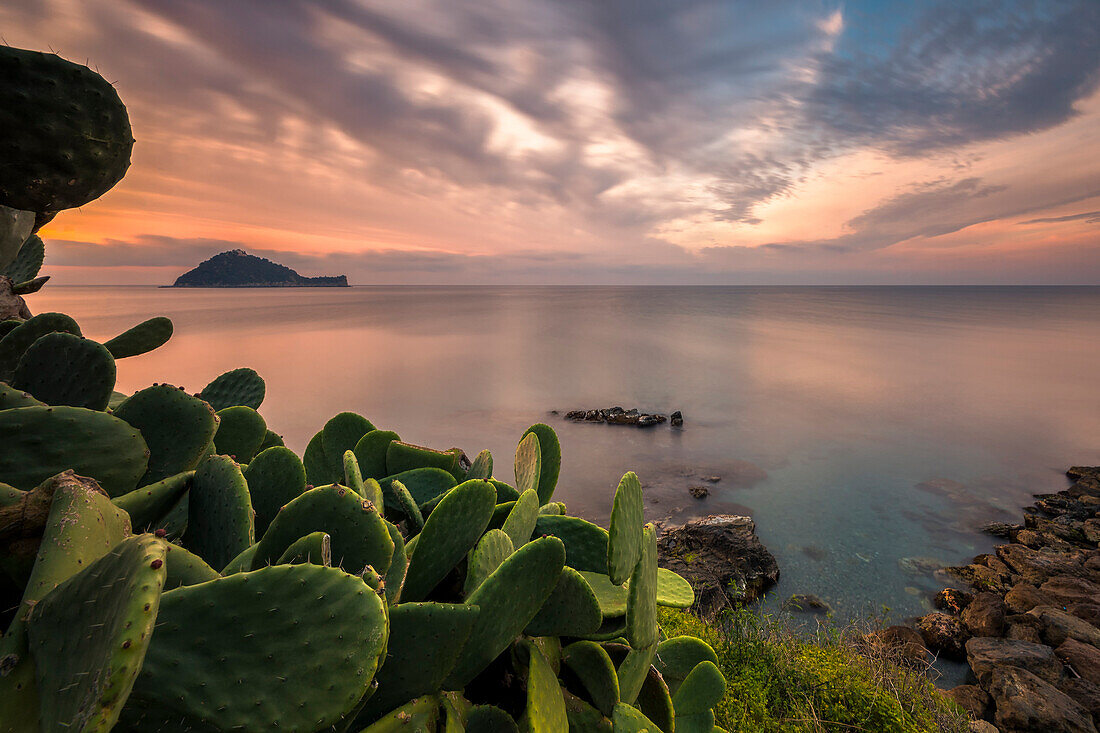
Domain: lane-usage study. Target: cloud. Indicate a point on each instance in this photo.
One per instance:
(1089, 217)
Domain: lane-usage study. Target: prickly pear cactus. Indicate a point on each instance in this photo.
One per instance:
(140, 339)
(237, 387)
(28, 261)
(63, 369)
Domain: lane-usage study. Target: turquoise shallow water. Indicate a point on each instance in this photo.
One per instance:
(860, 427)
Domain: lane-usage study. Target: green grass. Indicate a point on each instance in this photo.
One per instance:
(777, 681)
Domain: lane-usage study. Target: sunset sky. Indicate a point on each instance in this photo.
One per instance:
(592, 141)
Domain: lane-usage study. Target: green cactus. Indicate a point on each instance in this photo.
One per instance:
(624, 546)
(219, 512)
(402, 457)
(595, 671)
(341, 433)
(583, 718)
(633, 670)
(520, 522)
(20, 338)
(316, 464)
(150, 504)
(585, 543)
(492, 549)
(405, 505)
(241, 431)
(528, 464)
(177, 427)
(611, 597)
(490, 719)
(15, 227)
(236, 387)
(275, 477)
(549, 459)
(8, 324)
(505, 492)
(142, 338)
(425, 642)
(395, 575)
(255, 665)
(449, 533)
(315, 547)
(117, 398)
(66, 136)
(571, 610)
(482, 467)
(545, 712)
(90, 634)
(63, 369)
(673, 591)
(626, 719)
(42, 441)
(369, 488)
(11, 398)
(654, 701)
(242, 563)
(370, 451)
(676, 657)
(359, 534)
(700, 691)
(641, 598)
(271, 439)
(416, 716)
(28, 261)
(185, 568)
(509, 599)
(424, 484)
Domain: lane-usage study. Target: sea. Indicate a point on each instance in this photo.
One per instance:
(869, 431)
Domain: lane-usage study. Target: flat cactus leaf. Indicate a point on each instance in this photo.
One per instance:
(595, 670)
(368, 488)
(177, 427)
(11, 398)
(20, 338)
(627, 719)
(585, 543)
(271, 440)
(492, 549)
(655, 702)
(405, 505)
(30, 286)
(698, 723)
(149, 504)
(28, 261)
(611, 597)
(370, 452)
(406, 456)
(63, 369)
(340, 434)
(676, 657)
(509, 599)
(242, 563)
(633, 670)
(10, 495)
(549, 460)
(482, 467)
(505, 492)
(256, 665)
(395, 575)
(241, 386)
(15, 226)
(174, 523)
(359, 534)
(142, 338)
(185, 568)
(521, 520)
(241, 431)
(641, 597)
(315, 547)
(612, 629)
(673, 591)
(416, 716)
(583, 718)
(275, 477)
(528, 464)
(425, 641)
(90, 634)
(318, 472)
(553, 509)
(545, 712)
(219, 512)
(117, 398)
(571, 610)
(500, 514)
(424, 484)
(624, 546)
(42, 441)
(490, 719)
(449, 533)
(8, 324)
(700, 691)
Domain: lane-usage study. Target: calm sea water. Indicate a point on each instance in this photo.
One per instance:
(869, 431)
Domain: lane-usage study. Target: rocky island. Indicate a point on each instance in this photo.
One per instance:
(236, 268)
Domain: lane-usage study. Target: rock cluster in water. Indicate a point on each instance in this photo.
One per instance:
(619, 416)
(1026, 618)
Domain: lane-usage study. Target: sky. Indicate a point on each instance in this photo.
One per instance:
(592, 141)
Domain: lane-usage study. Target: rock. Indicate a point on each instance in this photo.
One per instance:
(1088, 612)
(11, 305)
(1036, 566)
(971, 698)
(1024, 632)
(1083, 658)
(943, 633)
(1027, 704)
(1064, 590)
(699, 492)
(1002, 529)
(985, 654)
(984, 616)
(622, 418)
(981, 726)
(1084, 693)
(1091, 529)
(978, 577)
(645, 421)
(1057, 626)
(952, 600)
(1079, 472)
(806, 603)
(902, 643)
(676, 419)
(722, 558)
(919, 566)
(1023, 597)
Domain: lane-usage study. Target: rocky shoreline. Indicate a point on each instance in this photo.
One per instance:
(1026, 618)
(619, 416)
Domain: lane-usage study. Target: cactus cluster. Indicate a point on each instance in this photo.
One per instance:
(168, 564)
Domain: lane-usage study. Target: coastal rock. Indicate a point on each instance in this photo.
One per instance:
(1091, 529)
(981, 726)
(978, 577)
(1057, 626)
(984, 616)
(1084, 693)
(1027, 704)
(722, 558)
(806, 603)
(617, 416)
(1002, 529)
(676, 419)
(902, 643)
(985, 654)
(1079, 472)
(952, 600)
(971, 698)
(1088, 612)
(1023, 597)
(919, 566)
(1037, 566)
(699, 492)
(1083, 658)
(944, 634)
(1066, 590)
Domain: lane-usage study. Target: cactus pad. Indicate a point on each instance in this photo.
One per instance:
(20, 338)
(404, 504)
(406, 456)
(241, 431)
(416, 716)
(482, 467)
(611, 597)
(395, 575)
(10, 398)
(520, 522)
(490, 719)
(549, 459)
(341, 433)
(237, 387)
(315, 547)
(585, 543)
(316, 464)
(15, 226)
(219, 512)
(624, 546)
(149, 504)
(28, 261)
(88, 637)
(593, 667)
(42, 441)
(63, 369)
(700, 691)
(177, 427)
(571, 610)
(545, 711)
(627, 719)
(370, 451)
(255, 665)
(424, 484)
(492, 549)
(185, 568)
(275, 477)
(528, 464)
(673, 591)
(142, 338)
(641, 598)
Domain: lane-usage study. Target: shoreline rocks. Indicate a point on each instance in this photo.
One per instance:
(619, 416)
(1027, 617)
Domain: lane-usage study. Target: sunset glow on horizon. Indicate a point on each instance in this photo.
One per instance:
(697, 142)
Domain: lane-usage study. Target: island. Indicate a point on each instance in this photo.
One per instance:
(236, 268)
